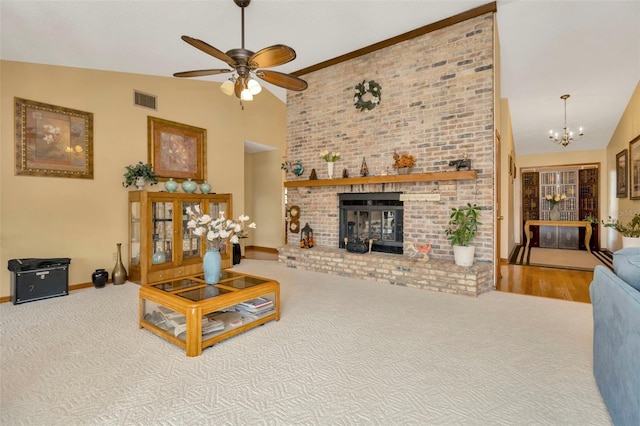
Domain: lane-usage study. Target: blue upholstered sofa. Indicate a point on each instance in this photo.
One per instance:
(616, 335)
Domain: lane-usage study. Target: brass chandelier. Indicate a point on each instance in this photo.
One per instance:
(567, 135)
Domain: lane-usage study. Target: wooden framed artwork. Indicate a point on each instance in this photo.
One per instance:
(622, 174)
(53, 141)
(177, 150)
(634, 167)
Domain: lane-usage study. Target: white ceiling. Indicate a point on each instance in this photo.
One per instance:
(589, 49)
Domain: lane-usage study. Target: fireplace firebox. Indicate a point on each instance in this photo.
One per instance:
(376, 216)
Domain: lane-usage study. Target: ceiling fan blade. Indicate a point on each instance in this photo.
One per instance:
(287, 81)
(207, 48)
(199, 73)
(272, 56)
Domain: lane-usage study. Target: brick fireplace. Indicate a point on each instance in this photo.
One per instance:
(437, 104)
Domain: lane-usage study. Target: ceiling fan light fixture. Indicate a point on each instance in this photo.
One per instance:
(246, 95)
(227, 87)
(254, 87)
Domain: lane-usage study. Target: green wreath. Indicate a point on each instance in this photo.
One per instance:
(362, 89)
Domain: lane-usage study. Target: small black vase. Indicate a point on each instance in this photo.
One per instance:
(99, 278)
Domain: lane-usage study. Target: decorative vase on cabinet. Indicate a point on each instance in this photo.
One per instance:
(189, 186)
(205, 188)
(171, 185)
(554, 214)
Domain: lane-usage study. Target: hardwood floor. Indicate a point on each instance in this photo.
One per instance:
(532, 280)
(545, 282)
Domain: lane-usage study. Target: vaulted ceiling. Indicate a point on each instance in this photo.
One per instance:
(589, 49)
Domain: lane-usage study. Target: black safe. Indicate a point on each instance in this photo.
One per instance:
(36, 279)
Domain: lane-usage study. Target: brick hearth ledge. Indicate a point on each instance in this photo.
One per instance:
(436, 275)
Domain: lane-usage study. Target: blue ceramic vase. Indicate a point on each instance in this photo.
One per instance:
(205, 188)
(211, 265)
(171, 185)
(189, 186)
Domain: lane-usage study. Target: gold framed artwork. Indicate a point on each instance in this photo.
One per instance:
(621, 174)
(634, 167)
(177, 150)
(53, 141)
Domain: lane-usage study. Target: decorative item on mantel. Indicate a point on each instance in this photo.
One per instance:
(218, 232)
(555, 200)
(139, 175)
(364, 170)
(306, 237)
(313, 175)
(330, 158)
(403, 163)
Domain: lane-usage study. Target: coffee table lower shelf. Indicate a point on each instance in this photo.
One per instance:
(178, 309)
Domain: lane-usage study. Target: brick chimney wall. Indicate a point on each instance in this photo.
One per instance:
(437, 104)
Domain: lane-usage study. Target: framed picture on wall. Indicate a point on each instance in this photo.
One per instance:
(53, 141)
(634, 167)
(177, 150)
(622, 174)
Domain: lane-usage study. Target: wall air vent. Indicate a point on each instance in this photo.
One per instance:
(145, 100)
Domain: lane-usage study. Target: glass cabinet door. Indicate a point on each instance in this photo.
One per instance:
(191, 243)
(215, 208)
(162, 232)
(134, 251)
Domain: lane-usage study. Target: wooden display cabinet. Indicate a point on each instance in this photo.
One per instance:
(161, 246)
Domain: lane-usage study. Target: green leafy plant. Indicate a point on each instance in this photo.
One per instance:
(139, 170)
(631, 229)
(463, 225)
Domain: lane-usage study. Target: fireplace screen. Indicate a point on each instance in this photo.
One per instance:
(372, 216)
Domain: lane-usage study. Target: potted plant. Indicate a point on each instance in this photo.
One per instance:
(463, 226)
(630, 232)
(403, 162)
(139, 175)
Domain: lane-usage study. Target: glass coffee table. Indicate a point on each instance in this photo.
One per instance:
(194, 315)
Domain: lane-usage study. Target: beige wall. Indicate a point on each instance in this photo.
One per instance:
(84, 219)
(266, 204)
(621, 208)
(507, 181)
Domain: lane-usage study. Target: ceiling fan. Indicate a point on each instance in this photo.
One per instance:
(246, 64)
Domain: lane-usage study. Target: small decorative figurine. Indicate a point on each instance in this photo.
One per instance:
(364, 170)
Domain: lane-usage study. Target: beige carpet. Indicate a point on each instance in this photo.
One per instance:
(346, 352)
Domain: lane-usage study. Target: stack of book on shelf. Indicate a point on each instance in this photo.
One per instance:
(178, 322)
(255, 307)
(210, 325)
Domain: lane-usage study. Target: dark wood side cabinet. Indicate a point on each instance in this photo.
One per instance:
(580, 183)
